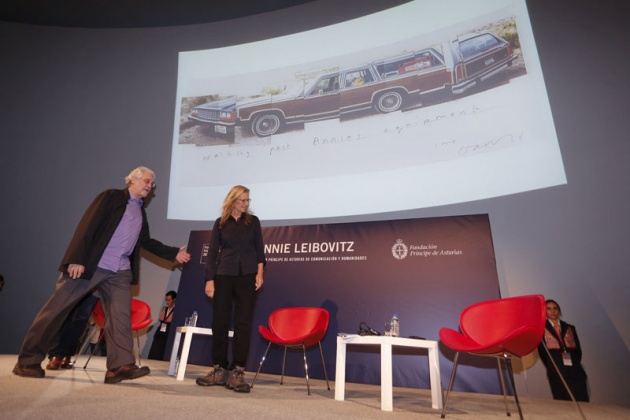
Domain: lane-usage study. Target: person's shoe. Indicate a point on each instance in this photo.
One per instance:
(29, 371)
(126, 372)
(54, 363)
(66, 363)
(236, 380)
(217, 376)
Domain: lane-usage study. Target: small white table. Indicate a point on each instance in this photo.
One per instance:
(183, 360)
(386, 344)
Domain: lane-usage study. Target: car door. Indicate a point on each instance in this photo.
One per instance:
(321, 101)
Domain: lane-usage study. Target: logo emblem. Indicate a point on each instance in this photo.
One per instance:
(399, 250)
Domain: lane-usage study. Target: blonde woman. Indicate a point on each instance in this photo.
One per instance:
(234, 273)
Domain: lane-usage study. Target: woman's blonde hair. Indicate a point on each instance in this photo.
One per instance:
(228, 204)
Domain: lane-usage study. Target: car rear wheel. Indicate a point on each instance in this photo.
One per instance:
(389, 102)
(266, 124)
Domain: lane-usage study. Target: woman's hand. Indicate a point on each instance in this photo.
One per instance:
(259, 281)
(210, 288)
(259, 276)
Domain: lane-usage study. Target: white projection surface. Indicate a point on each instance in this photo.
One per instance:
(439, 148)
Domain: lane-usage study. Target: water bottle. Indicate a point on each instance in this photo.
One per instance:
(193, 319)
(395, 326)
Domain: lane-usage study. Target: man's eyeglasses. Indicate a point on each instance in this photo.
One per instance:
(148, 181)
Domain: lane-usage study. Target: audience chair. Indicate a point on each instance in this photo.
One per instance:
(501, 328)
(295, 328)
(140, 318)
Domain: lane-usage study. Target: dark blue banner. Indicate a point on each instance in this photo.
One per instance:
(424, 270)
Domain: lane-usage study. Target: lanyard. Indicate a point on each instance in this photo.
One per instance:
(167, 312)
(558, 331)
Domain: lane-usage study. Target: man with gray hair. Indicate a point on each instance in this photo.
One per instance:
(103, 256)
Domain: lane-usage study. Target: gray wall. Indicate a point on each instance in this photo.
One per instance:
(79, 108)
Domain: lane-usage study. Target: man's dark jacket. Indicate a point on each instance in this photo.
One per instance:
(96, 229)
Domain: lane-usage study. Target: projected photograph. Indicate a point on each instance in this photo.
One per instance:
(444, 103)
(474, 61)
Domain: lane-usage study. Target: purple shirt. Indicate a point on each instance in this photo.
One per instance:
(116, 255)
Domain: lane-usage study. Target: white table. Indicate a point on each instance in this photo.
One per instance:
(183, 360)
(386, 344)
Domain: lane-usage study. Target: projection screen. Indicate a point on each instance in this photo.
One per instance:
(425, 104)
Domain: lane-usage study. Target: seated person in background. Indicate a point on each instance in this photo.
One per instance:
(563, 344)
(158, 347)
(60, 356)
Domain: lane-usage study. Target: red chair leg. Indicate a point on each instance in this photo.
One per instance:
(507, 409)
(100, 337)
(321, 353)
(138, 348)
(450, 384)
(260, 365)
(508, 363)
(284, 362)
(308, 388)
(579, 409)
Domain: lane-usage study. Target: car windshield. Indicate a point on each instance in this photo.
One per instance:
(299, 88)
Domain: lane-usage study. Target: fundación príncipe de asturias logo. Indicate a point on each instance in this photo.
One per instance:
(399, 250)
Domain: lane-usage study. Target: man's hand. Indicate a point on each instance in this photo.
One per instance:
(75, 270)
(182, 256)
(210, 288)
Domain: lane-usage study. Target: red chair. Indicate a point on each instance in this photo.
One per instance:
(501, 328)
(140, 318)
(296, 328)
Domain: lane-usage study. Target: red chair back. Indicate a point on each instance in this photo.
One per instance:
(307, 325)
(518, 323)
(140, 314)
(98, 315)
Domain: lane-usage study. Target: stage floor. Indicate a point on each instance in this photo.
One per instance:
(80, 393)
